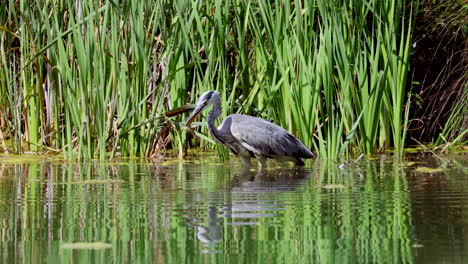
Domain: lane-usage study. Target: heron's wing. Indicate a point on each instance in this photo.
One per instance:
(265, 138)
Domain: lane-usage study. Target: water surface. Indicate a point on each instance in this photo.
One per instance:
(198, 211)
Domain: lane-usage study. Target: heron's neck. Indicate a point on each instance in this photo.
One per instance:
(214, 113)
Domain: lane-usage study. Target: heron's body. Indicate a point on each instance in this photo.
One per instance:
(251, 137)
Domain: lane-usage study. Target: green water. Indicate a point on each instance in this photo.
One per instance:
(198, 211)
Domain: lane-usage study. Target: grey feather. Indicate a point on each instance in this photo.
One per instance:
(267, 138)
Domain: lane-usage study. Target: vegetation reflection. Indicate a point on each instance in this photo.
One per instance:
(97, 212)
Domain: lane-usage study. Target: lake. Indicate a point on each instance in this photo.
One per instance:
(375, 210)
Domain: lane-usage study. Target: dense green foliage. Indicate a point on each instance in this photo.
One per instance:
(95, 77)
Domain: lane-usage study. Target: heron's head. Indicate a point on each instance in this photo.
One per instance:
(205, 100)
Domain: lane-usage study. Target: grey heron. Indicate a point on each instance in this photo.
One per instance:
(250, 137)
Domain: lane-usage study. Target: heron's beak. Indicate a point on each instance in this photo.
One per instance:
(198, 109)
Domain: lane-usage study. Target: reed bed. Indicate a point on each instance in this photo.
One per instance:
(95, 79)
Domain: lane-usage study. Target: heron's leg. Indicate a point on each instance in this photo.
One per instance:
(261, 159)
(244, 155)
(245, 160)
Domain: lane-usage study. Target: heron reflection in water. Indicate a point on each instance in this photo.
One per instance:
(250, 137)
(252, 197)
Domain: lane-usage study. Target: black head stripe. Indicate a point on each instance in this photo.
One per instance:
(208, 95)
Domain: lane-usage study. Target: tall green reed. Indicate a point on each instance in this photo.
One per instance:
(94, 96)
(324, 67)
(97, 77)
(455, 129)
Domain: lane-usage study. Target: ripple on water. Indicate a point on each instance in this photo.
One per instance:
(373, 211)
